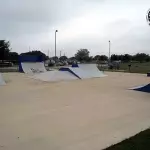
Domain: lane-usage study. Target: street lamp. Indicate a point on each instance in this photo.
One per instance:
(148, 16)
(60, 53)
(55, 44)
(109, 49)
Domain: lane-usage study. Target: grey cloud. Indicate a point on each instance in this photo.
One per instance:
(30, 16)
(24, 21)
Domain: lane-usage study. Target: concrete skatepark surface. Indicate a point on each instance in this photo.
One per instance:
(87, 114)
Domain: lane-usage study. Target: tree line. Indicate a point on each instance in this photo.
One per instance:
(82, 55)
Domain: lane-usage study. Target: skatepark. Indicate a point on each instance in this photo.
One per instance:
(66, 112)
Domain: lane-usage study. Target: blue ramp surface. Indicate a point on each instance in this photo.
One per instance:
(69, 70)
(145, 88)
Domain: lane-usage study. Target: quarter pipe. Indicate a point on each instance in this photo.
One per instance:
(35, 67)
(91, 70)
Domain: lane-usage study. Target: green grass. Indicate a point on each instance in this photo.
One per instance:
(136, 67)
(140, 141)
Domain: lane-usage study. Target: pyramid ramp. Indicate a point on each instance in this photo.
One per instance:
(78, 72)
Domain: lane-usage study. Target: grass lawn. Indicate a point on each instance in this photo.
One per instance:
(140, 141)
(136, 67)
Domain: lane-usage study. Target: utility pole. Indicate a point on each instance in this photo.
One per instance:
(60, 53)
(48, 53)
(109, 50)
(55, 44)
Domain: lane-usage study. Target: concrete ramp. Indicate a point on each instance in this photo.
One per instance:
(83, 73)
(78, 72)
(92, 70)
(53, 76)
(35, 67)
(2, 82)
(143, 88)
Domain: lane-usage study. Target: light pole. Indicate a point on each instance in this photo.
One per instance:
(148, 16)
(109, 50)
(60, 53)
(55, 44)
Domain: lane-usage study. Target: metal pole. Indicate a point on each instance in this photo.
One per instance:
(55, 44)
(60, 53)
(109, 50)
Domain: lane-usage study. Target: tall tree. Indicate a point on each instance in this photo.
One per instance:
(4, 49)
(82, 55)
(100, 58)
(36, 53)
(141, 57)
(63, 58)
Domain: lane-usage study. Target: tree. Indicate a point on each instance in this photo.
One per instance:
(101, 58)
(127, 58)
(63, 58)
(55, 58)
(13, 56)
(141, 57)
(72, 58)
(4, 49)
(97, 57)
(114, 57)
(82, 55)
(36, 53)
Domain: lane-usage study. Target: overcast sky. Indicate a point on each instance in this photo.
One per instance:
(81, 24)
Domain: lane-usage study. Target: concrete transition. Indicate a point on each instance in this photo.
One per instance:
(2, 82)
(84, 71)
(54, 76)
(37, 70)
(35, 67)
(78, 72)
(92, 70)
(144, 88)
